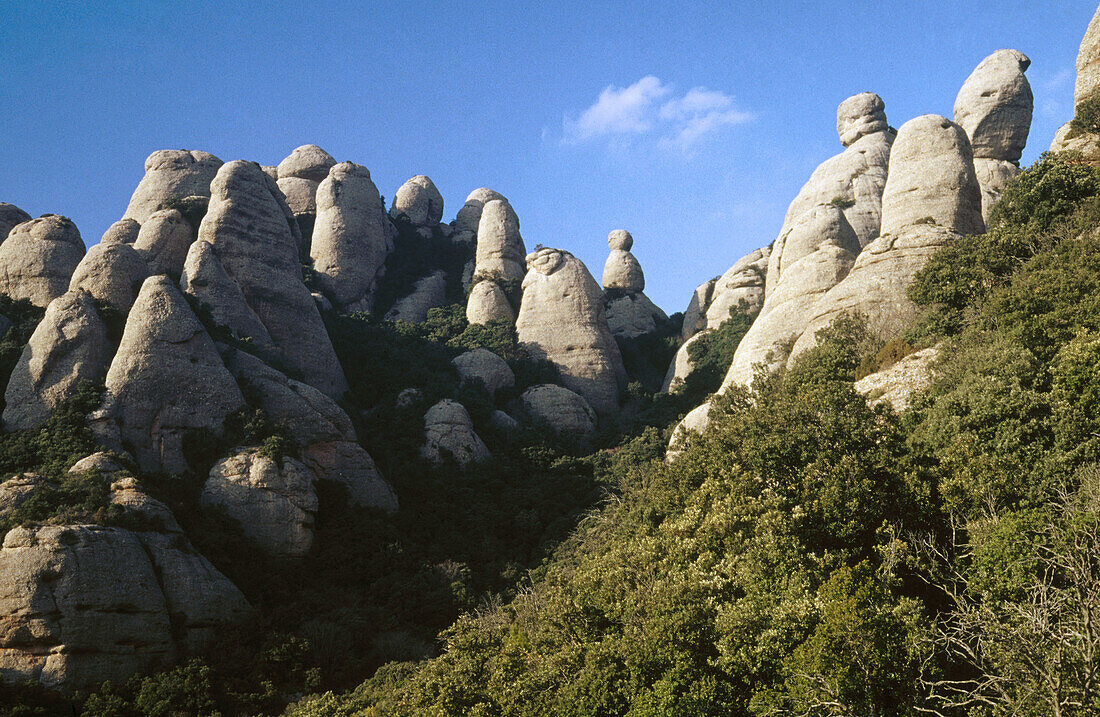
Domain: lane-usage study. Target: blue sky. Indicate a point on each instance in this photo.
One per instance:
(691, 124)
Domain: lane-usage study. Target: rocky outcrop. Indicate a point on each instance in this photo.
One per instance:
(10, 216)
(487, 302)
(166, 380)
(896, 384)
(1086, 87)
(428, 293)
(272, 499)
(174, 179)
(558, 409)
(307, 162)
(621, 270)
(742, 282)
(38, 258)
(695, 315)
(994, 107)
(485, 366)
(163, 242)
(418, 202)
(633, 315)
(67, 347)
(124, 231)
(499, 261)
(469, 216)
(17, 490)
(562, 320)
(112, 274)
(859, 116)
(322, 429)
(630, 313)
(449, 432)
(298, 177)
(249, 237)
(103, 462)
(681, 366)
(931, 197)
(352, 237)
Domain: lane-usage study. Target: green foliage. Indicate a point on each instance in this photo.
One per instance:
(64, 439)
(414, 257)
(1086, 116)
(894, 350)
(24, 317)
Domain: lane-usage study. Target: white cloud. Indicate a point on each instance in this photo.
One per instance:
(638, 110)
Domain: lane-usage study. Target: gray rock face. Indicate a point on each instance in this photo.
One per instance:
(500, 250)
(68, 346)
(501, 422)
(351, 238)
(487, 302)
(38, 258)
(621, 270)
(163, 242)
(17, 490)
(469, 216)
(81, 604)
(204, 278)
(1088, 63)
(346, 463)
(817, 252)
(681, 366)
(253, 238)
(448, 431)
(103, 462)
(10, 215)
(111, 273)
(696, 421)
(932, 179)
(418, 202)
(166, 379)
(273, 500)
(633, 315)
(993, 176)
(300, 195)
(485, 366)
(744, 281)
(994, 106)
(695, 315)
(271, 171)
(428, 293)
(174, 179)
(307, 162)
(859, 116)
(124, 231)
(562, 320)
(558, 409)
(897, 384)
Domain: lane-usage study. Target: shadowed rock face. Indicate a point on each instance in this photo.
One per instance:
(351, 238)
(38, 259)
(174, 179)
(68, 346)
(562, 320)
(558, 409)
(166, 379)
(251, 236)
(10, 215)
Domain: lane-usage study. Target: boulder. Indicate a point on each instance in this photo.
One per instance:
(271, 171)
(166, 380)
(346, 463)
(408, 398)
(562, 320)
(485, 366)
(38, 258)
(487, 303)
(632, 315)
(742, 282)
(428, 293)
(695, 315)
(469, 216)
(622, 271)
(68, 346)
(10, 216)
(103, 462)
(994, 106)
(501, 422)
(271, 498)
(558, 409)
(448, 431)
(17, 490)
(860, 115)
(254, 239)
(418, 202)
(896, 384)
(81, 604)
(163, 242)
(112, 274)
(351, 238)
(174, 179)
(124, 231)
(500, 248)
(307, 162)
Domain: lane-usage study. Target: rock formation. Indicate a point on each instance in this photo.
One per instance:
(428, 293)
(696, 421)
(449, 432)
(112, 274)
(695, 315)
(896, 384)
(352, 237)
(124, 231)
(562, 320)
(307, 162)
(38, 258)
(931, 197)
(498, 260)
(10, 216)
(630, 313)
(742, 282)
(485, 366)
(166, 380)
(271, 498)
(469, 216)
(67, 347)
(298, 177)
(487, 302)
(994, 107)
(418, 202)
(681, 366)
(558, 409)
(174, 179)
(249, 238)
(163, 241)
(1085, 88)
